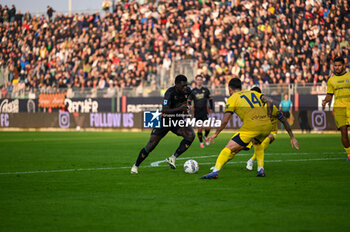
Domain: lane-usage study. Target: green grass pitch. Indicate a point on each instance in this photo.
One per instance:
(81, 181)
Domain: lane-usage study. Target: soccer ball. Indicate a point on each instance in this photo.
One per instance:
(191, 166)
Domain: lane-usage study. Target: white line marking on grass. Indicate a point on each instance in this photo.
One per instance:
(278, 161)
(63, 170)
(149, 166)
(156, 163)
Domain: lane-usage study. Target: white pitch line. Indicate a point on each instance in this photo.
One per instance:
(149, 166)
(63, 170)
(278, 161)
(156, 163)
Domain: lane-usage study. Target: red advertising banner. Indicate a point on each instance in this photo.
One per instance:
(51, 100)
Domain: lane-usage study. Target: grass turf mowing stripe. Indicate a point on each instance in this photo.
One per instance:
(148, 166)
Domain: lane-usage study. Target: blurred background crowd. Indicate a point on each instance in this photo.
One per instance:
(131, 44)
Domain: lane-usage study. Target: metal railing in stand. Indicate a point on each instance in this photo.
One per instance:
(20, 92)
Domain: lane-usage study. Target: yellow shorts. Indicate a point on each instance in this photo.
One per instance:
(342, 116)
(273, 133)
(243, 137)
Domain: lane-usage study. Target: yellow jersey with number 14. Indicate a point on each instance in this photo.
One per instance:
(249, 107)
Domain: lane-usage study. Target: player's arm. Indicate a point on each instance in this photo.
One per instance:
(269, 102)
(224, 122)
(330, 92)
(229, 110)
(189, 102)
(293, 140)
(326, 100)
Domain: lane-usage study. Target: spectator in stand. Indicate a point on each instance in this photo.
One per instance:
(50, 12)
(106, 5)
(12, 13)
(295, 37)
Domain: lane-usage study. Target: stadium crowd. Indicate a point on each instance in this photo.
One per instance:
(265, 41)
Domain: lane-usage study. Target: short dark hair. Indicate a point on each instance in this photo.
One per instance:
(235, 83)
(256, 89)
(339, 59)
(180, 78)
(199, 75)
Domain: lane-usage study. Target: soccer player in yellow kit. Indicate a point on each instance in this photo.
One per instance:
(276, 115)
(249, 106)
(339, 86)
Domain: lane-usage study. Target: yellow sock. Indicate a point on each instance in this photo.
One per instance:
(347, 151)
(266, 143)
(224, 157)
(259, 151)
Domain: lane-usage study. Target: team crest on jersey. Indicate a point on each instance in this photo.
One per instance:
(165, 102)
(200, 96)
(347, 81)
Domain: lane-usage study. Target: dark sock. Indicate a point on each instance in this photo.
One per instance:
(142, 156)
(207, 133)
(200, 136)
(184, 145)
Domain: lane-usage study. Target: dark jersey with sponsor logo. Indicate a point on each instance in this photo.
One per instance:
(174, 99)
(200, 97)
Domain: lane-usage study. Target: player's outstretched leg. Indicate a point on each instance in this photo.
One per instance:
(224, 157)
(228, 153)
(152, 143)
(188, 136)
(231, 149)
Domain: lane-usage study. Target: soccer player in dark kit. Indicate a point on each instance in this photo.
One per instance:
(200, 97)
(174, 104)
